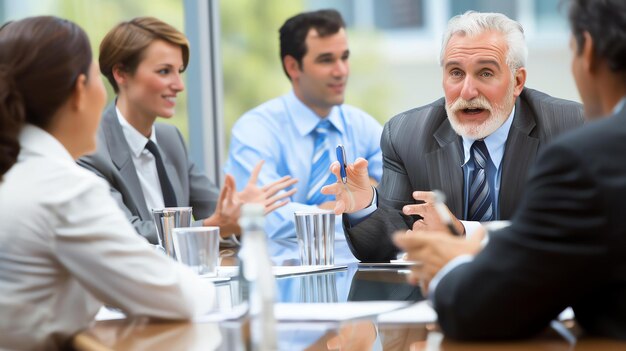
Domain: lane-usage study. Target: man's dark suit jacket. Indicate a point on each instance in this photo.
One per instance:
(421, 151)
(566, 246)
(112, 161)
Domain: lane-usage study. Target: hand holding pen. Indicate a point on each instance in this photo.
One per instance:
(353, 190)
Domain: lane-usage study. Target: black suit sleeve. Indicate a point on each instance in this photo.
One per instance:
(370, 240)
(546, 260)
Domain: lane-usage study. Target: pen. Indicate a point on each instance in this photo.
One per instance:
(341, 157)
(443, 213)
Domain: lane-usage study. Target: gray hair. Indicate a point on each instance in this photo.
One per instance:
(473, 23)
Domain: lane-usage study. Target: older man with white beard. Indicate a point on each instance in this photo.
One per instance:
(475, 144)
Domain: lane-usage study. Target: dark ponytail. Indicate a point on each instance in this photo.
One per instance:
(11, 120)
(40, 60)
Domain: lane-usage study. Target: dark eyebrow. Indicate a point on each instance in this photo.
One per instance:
(324, 55)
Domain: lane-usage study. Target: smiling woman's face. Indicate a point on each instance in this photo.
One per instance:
(151, 90)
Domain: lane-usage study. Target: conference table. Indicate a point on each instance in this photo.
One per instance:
(352, 283)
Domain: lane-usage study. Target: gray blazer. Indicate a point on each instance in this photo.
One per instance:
(421, 151)
(112, 161)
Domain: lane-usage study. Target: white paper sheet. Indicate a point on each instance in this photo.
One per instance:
(332, 311)
(393, 264)
(420, 312)
(223, 315)
(105, 314)
(282, 271)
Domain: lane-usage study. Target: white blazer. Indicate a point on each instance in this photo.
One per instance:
(66, 248)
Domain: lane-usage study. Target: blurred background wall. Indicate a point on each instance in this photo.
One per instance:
(394, 46)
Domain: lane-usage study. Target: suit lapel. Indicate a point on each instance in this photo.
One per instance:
(519, 154)
(120, 155)
(443, 166)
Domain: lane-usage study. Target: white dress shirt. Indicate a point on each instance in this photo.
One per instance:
(144, 162)
(66, 248)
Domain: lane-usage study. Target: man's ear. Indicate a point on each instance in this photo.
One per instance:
(520, 81)
(588, 55)
(292, 67)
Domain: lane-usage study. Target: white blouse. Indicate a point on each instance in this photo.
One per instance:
(66, 248)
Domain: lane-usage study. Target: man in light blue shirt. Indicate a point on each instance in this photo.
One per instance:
(296, 134)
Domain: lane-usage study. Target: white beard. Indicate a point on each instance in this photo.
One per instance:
(498, 114)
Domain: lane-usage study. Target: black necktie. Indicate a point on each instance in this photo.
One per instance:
(480, 201)
(169, 198)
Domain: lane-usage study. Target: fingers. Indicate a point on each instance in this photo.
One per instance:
(281, 184)
(408, 241)
(332, 189)
(418, 209)
(335, 169)
(255, 173)
(340, 207)
(224, 192)
(280, 196)
(426, 196)
(360, 164)
(275, 205)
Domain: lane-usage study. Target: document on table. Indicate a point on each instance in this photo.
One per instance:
(391, 264)
(282, 271)
(105, 314)
(420, 312)
(333, 311)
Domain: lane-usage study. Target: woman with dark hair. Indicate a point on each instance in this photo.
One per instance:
(65, 246)
(146, 163)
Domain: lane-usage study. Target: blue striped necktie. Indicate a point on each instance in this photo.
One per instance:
(320, 163)
(480, 202)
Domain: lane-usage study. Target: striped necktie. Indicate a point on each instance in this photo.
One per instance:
(320, 173)
(169, 197)
(481, 206)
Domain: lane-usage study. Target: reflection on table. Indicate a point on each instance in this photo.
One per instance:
(350, 284)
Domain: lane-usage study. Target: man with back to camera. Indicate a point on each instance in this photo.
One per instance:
(296, 134)
(566, 245)
(475, 144)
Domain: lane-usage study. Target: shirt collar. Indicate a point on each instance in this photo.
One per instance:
(619, 106)
(495, 142)
(36, 141)
(136, 141)
(306, 119)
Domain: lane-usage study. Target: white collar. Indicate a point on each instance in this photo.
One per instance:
(35, 141)
(136, 141)
(494, 142)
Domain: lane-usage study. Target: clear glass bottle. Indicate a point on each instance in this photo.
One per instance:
(257, 284)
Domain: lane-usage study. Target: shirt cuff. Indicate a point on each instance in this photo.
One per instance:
(455, 262)
(470, 228)
(360, 215)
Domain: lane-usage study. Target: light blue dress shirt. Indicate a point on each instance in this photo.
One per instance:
(495, 143)
(280, 132)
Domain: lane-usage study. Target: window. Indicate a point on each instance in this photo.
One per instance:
(508, 8)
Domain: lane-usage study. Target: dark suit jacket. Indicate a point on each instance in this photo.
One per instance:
(421, 151)
(112, 161)
(566, 246)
